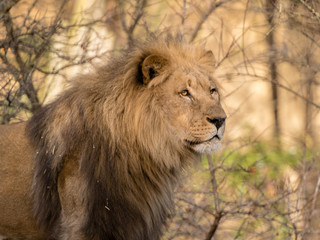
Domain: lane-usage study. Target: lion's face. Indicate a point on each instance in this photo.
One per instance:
(192, 105)
(188, 98)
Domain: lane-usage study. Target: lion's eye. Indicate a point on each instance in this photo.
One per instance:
(213, 90)
(185, 93)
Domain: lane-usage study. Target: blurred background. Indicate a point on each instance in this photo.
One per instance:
(264, 183)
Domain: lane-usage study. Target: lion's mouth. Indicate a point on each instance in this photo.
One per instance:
(192, 143)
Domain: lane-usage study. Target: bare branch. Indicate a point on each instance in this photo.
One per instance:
(218, 214)
(311, 9)
(135, 16)
(204, 16)
(6, 5)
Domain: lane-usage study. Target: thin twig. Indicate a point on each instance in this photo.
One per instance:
(213, 6)
(183, 17)
(315, 195)
(218, 214)
(314, 12)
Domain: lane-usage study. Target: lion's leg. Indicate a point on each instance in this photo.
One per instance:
(72, 190)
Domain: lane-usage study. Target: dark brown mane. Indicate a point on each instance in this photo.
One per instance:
(130, 176)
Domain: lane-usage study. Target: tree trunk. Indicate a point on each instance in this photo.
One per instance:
(271, 10)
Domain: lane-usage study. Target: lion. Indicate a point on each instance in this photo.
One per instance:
(103, 159)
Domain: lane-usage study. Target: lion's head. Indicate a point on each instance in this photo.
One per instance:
(180, 82)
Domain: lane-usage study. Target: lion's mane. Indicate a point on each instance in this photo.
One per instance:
(109, 122)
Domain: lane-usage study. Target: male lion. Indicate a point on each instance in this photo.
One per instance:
(102, 160)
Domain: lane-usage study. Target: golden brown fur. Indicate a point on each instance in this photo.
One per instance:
(102, 160)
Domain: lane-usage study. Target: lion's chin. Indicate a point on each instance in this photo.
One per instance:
(206, 147)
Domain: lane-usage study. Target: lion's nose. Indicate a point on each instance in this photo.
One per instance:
(218, 122)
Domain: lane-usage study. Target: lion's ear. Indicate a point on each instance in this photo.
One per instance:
(152, 66)
(208, 58)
